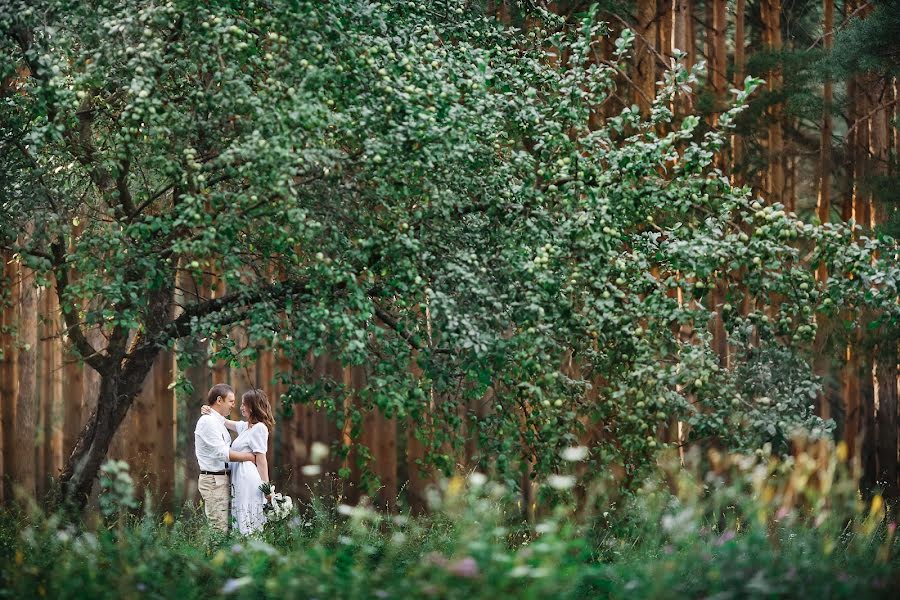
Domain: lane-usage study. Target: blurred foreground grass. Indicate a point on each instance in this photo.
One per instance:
(719, 526)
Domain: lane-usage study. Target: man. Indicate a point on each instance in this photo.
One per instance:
(212, 443)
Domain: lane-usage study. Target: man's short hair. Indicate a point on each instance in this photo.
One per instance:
(220, 389)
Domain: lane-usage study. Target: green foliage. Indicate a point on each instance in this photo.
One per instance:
(868, 44)
(116, 489)
(399, 185)
(738, 527)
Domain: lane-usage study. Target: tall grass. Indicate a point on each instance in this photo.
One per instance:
(722, 527)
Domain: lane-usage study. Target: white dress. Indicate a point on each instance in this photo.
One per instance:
(247, 501)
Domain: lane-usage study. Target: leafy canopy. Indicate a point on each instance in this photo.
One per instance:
(418, 189)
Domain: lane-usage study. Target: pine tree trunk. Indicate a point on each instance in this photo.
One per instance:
(823, 203)
(195, 351)
(770, 11)
(664, 11)
(73, 395)
(850, 426)
(8, 372)
(737, 150)
(885, 417)
(165, 421)
(56, 413)
(681, 29)
(716, 58)
(886, 421)
(644, 55)
(23, 472)
(823, 364)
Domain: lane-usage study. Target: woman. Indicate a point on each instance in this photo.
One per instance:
(246, 477)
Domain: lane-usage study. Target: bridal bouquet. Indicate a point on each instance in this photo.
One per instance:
(278, 506)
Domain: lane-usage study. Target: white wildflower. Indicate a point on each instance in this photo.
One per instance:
(574, 453)
(561, 482)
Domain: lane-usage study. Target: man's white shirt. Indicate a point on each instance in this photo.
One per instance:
(212, 442)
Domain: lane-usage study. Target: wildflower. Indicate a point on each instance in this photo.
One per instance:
(561, 482)
(545, 527)
(466, 567)
(574, 453)
(398, 538)
(233, 585)
(168, 519)
(311, 470)
(476, 479)
(877, 503)
(454, 486)
(318, 452)
(725, 537)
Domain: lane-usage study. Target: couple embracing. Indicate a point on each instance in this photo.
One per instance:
(231, 472)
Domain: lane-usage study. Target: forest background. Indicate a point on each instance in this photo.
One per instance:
(819, 139)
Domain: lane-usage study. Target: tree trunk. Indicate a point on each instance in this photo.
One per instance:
(664, 11)
(73, 395)
(682, 31)
(120, 382)
(55, 414)
(195, 350)
(23, 472)
(737, 154)
(644, 55)
(716, 58)
(867, 414)
(880, 133)
(8, 375)
(160, 420)
(823, 203)
(886, 421)
(118, 390)
(770, 11)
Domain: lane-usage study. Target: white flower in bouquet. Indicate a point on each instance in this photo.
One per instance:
(277, 506)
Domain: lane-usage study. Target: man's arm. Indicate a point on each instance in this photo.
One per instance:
(241, 456)
(213, 442)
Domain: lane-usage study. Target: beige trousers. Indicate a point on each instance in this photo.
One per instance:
(216, 493)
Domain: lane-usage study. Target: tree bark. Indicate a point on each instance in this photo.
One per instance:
(823, 203)
(73, 395)
(164, 424)
(23, 471)
(770, 11)
(120, 383)
(644, 55)
(8, 374)
(54, 400)
(737, 148)
(886, 421)
(716, 58)
(195, 351)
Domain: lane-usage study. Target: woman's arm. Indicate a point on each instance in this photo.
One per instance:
(263, 466)
(229, 424)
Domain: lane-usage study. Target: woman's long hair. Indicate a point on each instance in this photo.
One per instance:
(258, 404)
